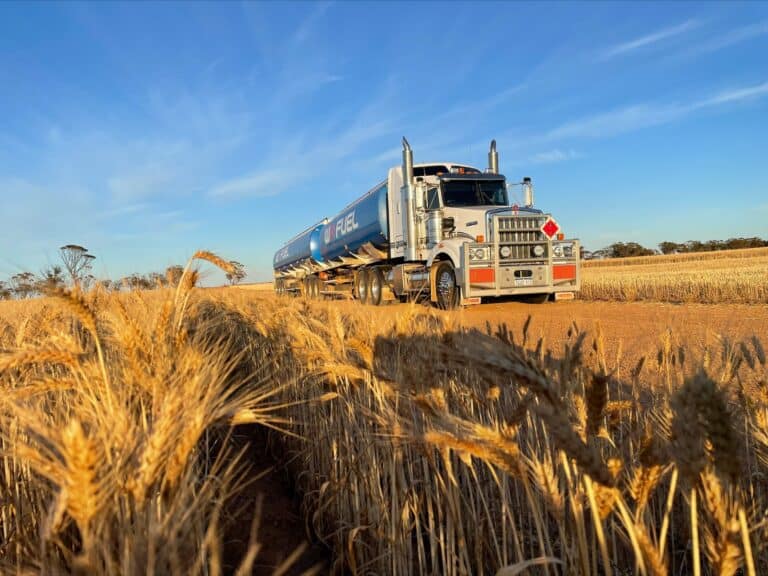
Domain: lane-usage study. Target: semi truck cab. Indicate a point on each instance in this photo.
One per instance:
(474, 242)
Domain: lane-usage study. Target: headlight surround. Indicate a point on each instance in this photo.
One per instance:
(538, 250)
(505, 251)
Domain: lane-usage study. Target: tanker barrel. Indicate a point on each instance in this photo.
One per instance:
(493, 159)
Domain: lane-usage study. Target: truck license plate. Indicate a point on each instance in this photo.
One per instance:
(523, 281)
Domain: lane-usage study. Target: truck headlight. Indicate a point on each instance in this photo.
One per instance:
(477, 254)
(557, 250)
(505, 251)
(538, 250)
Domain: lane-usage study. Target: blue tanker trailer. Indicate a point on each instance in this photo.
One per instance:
(443, 230)
(362, 223)
(297, 252)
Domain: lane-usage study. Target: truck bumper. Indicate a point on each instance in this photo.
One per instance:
(497, 277)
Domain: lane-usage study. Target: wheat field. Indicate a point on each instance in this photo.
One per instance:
(729, 276)
(416, 446)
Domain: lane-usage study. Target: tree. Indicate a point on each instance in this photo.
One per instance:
(157, 280)
(51, 278)
(237, 273)
(669, 247)
(625, 250)
(23, 284)
(173, 274)
(5, 291)
(77, 261)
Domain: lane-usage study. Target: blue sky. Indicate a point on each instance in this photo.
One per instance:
(146, 131)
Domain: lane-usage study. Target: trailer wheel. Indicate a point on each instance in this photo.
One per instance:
(448, 291)
(361, 285)
(375, 286)
(317, 287)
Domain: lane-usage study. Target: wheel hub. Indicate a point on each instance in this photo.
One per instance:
(445, 284)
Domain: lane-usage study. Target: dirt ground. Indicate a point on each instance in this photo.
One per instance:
(282, 536)
(636, 326)
(630, 329)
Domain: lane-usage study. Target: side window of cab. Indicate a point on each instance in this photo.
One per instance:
(433, 199)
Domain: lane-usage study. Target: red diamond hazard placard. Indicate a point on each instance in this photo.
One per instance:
(550, 227)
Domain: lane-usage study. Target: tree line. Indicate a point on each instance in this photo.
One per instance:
(76, 270)
(628, 249)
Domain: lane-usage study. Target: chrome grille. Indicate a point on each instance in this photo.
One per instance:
(521, 234)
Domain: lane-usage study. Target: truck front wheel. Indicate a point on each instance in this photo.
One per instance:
(447, 290)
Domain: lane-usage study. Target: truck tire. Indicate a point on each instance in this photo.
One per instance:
(448, 291)
(375, 286)
(319, 285)
(361, 285)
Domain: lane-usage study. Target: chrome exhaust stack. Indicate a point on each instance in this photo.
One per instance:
(528, 191)
(410, 208)
(493, 159)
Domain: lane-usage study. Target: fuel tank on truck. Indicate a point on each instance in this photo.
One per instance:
(363, 221)
(297, 250)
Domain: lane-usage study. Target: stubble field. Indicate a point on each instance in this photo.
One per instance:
(729, 276)
(569, 438)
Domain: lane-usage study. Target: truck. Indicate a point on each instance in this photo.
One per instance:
(440, 230)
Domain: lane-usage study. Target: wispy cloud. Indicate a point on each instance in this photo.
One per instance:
(649, 39)
(729, 38)
(482, 105)
(124, 210)
(306, 27)
(258, 184)
(645, 115)
(735, 95)
(553, 156)
(140, 181)
(311, 152)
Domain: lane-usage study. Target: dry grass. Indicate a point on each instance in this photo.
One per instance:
(257, 286)
(744, 253)
(732, 276)
(114, 421)
(445, 451)
(418, 447)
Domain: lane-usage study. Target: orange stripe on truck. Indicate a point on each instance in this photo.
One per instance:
(564, 272)
(481, 275)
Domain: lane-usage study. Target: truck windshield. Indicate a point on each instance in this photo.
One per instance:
(474, 193)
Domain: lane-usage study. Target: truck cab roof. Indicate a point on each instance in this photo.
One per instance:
(439, 168)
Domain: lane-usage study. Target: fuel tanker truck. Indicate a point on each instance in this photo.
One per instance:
(442, 231)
